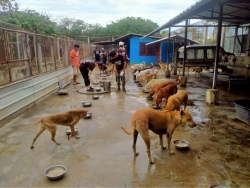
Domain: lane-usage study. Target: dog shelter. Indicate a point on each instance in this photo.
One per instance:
(137, 51)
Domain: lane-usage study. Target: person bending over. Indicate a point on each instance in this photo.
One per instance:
(86, 69)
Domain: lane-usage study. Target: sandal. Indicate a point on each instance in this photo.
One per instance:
(78, 83)
(74, 83)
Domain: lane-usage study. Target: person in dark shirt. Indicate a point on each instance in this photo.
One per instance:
(97, 54)
(86, 69)
(119, 62)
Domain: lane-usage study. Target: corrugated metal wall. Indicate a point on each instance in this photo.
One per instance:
(31, 67)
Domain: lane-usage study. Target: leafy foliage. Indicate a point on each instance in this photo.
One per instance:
(8, 5)
(131, 25)
(30, 20)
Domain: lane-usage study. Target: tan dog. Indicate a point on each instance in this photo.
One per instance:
(138, 66)
(69, 118)
(160, 122)
(162, 66)
(165, 92)
(148, 77)
(158, 86)
(175, 101)
(197, 71)
(152, 82)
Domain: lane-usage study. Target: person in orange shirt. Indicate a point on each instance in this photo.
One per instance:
(75, 62)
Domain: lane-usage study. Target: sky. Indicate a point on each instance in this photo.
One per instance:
(104, 12)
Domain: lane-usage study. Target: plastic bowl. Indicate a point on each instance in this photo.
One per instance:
(95, 83)
(181, 144)
(68, 131)
(86, 104)
(55, 172)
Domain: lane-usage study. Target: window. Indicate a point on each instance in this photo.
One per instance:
(210, 54)
(190, 54)
(199, 54)
(148, 50)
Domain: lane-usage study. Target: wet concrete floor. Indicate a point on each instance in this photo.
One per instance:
(219, 145)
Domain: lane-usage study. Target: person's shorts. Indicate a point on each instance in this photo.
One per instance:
(75, 70)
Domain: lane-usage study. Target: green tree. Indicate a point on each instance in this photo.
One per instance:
(131, 25)
(8, 5)
(30, 20)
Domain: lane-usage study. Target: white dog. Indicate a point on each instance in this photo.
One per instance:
(138, 66)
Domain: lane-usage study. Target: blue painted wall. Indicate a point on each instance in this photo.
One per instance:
(134, 51)
(164, 52)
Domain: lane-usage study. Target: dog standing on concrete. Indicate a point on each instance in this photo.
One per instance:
(165, 92)
(175, 101)
(69, 118)
(198, 71)
(148, 77)
(158, 86)
(159, 122)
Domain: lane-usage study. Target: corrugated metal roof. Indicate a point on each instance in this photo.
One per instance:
(122, 38)
(235, 13)
(174, 39)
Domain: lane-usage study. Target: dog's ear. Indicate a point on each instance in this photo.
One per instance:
(182, 113)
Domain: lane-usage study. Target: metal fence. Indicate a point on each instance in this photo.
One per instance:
(24, 54)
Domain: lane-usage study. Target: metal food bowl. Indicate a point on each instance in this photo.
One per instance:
(95, 83)
(139, 85)
(98, 89)
(149, 98)
(218, 186)
(155, 106)
(86, 104)
(55, 172)
(181, 144)
(89, 115)
(95, 96)
(145, 91)
(136, 81)
(68, 131)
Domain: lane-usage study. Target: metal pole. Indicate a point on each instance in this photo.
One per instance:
(168, 48)
(217, 47)
(185, 43)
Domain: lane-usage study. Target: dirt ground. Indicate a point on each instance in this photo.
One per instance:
(103, 157)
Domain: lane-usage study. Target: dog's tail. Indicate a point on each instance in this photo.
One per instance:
(38, 121)
(129, 132)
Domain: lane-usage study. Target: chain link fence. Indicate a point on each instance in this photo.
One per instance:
(24, 54)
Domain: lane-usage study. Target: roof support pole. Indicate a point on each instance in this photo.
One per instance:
(185, 44)
(169, 32)
(217, 46)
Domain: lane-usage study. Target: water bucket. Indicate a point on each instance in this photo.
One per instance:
(183, 81)
(106, 85)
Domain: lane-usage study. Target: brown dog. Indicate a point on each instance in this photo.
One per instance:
(147, 77)
(160, 122)
(157, 87)
(197, 71)
(175, 101)
(165, 92)
(69, 118)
